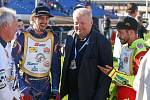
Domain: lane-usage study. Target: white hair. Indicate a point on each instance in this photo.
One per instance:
(82, 12)
(7, 15)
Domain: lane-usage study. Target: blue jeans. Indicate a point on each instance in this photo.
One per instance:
(40, 89)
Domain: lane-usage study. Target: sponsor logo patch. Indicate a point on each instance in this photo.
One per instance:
(46, 50)
(46, 64)
(34, 68)
(40, 44)
(30, 63)
(33, 49)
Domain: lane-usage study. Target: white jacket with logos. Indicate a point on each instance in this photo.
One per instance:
(142, 79)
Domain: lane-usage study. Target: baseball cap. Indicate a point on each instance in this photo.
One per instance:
(41, 10)
(82, 5)
(131, 23)
(121, 25)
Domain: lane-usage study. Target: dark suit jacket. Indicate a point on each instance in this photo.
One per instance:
(92, 83)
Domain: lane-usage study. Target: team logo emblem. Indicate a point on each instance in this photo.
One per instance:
(139, 46)
(40, 57)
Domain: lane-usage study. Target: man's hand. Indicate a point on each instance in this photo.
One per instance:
(106, 70)
(26, 94)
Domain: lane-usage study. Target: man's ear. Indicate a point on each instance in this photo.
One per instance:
(5, 25)
(132, 32)
(129, 31)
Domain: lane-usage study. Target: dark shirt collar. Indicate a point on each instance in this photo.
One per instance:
(3, 42)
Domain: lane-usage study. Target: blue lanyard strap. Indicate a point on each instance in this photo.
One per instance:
(86, 43)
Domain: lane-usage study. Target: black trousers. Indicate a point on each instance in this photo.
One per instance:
(73, 96)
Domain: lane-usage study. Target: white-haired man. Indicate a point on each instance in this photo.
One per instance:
(8, 27)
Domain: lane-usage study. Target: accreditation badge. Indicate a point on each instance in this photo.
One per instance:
(73, 65)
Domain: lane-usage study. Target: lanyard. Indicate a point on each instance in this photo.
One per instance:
(86, 43)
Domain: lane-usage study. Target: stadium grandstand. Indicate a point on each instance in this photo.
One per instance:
(62, 9)
(58, 7)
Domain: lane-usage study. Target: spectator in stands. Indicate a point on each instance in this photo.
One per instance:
(132, 10)
(5, 2)
(8, 27)
(20, 27)
(36, 53)
(85, 49)
(1, 3)
(107, 26)
(142, 29)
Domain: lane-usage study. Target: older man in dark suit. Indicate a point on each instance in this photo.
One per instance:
(85, 49)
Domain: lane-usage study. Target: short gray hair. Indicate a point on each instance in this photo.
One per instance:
(7, 15)
(82, 12)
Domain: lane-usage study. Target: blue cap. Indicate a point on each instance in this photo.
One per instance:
(82, 5)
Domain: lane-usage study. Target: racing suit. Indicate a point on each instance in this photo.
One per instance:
(37, 56)
(124, 76)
